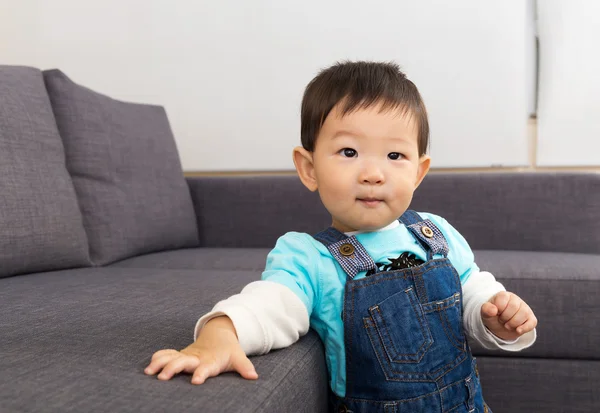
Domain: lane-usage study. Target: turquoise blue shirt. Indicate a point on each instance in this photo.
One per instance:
(303, 264)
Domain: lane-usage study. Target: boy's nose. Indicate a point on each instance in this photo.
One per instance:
(372, 175)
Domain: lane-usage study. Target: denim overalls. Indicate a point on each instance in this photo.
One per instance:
(403, 331)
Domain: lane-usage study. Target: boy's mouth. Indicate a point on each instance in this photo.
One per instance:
(369, 202)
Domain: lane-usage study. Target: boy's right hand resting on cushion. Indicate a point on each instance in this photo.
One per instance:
(216, 350)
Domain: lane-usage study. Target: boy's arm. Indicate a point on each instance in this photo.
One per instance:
(266, 315)
(274, 313)
(479, 288)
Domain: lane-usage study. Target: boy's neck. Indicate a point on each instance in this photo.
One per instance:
(392, 225)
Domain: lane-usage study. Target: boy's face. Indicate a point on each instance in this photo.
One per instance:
(365, 165)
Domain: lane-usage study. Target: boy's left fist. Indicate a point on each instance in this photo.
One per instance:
(507, 316)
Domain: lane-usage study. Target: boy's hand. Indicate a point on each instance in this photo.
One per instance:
(507, 316)
(216, 350)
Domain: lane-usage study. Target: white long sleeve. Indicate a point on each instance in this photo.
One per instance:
(477, 290)
(266, 315)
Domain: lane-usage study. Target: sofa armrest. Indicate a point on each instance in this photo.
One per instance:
(253, 211)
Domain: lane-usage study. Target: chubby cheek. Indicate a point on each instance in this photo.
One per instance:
(334, 197)
(403, 193)
(402, 203)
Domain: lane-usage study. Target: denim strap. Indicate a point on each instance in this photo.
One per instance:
(329, 236)
(426, 233)
(347, 251)
(410, 217)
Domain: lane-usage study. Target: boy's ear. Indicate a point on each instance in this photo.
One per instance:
(424, 164)
(303, 160)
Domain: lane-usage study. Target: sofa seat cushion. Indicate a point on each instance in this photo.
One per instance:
(563, 289)
(79, 340)
(201, 259)
(538, 385)
(126, 171)
(40, 221)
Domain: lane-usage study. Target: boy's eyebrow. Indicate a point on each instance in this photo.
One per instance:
(345, 132)
(358, 135)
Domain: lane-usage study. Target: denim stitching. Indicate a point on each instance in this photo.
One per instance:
(433, 393)
(470, 388)
(442, 391)
(420, 289)
(447, 330)
(459, 405)
(390, 374)
(377, 279)
(349, 294)
(375, 347)
(388, 338)
(450, 366)
(424, 329)
(440, 304)
(389, 408)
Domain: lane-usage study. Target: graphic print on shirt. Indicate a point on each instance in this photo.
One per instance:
(404, 260)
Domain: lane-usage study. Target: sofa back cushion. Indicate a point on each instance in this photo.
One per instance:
(520, 211)
(40, 222)
(126, 171)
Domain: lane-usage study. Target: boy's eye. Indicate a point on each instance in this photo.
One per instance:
(395, 155)
(348, 152)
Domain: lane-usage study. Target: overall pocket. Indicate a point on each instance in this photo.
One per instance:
(401, 327)
(449, 318)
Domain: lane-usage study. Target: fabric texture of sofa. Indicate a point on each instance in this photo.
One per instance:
(108, 253)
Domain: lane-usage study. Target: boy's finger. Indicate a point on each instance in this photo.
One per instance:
(518, 319)
(521, 316)
(528, 326)
(501, 300)
(204, 371)
(244, 366)
(176, 366)
(164, 352)
(489, 310)
(512, 308)
(159, 362)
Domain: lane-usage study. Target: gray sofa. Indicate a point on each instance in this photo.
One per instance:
(108, 254)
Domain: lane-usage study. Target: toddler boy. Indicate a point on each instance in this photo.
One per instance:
(393, 299)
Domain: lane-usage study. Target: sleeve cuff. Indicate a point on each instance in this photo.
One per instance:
(521, 343)
(478, 289)
(266, 315)
(205, 319)
(247, 328)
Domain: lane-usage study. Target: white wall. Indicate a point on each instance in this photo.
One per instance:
(569, 95)
(231, 73)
